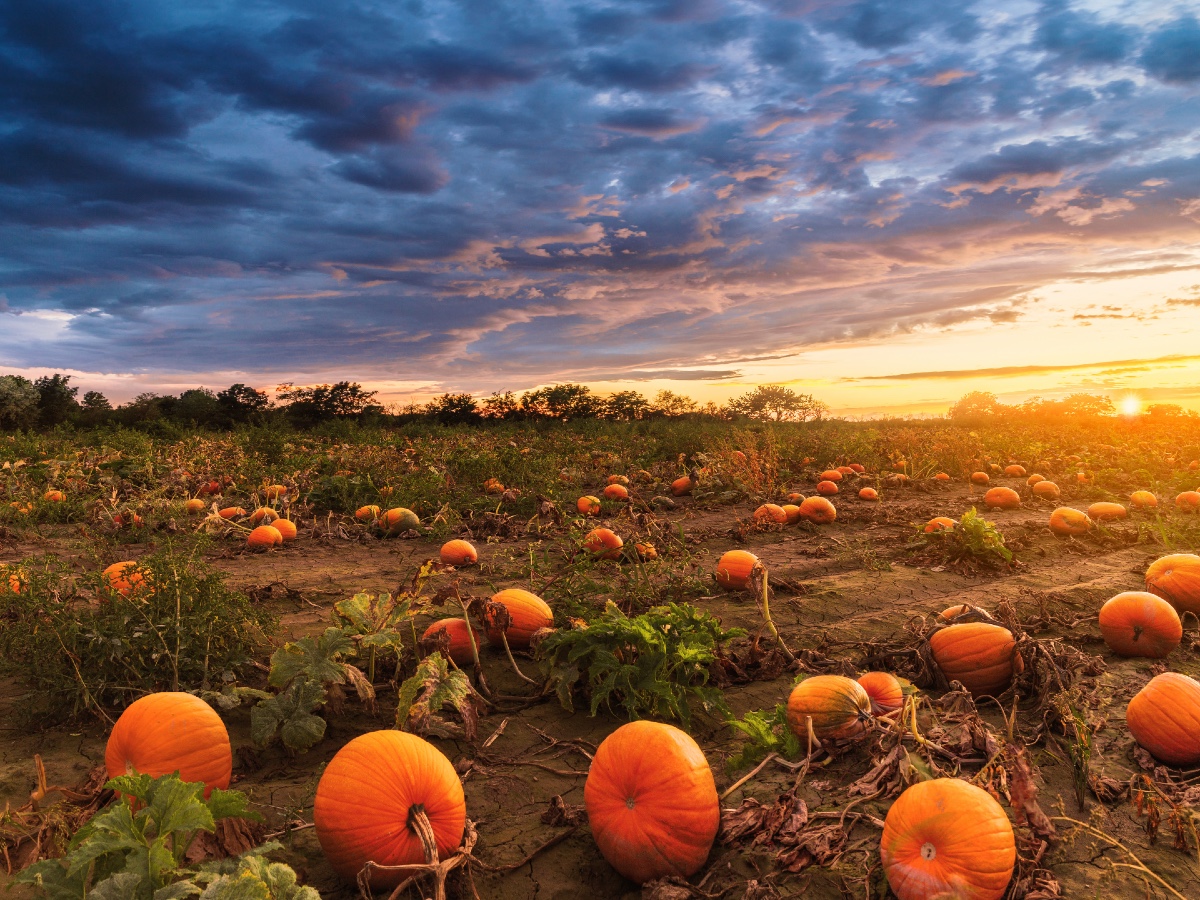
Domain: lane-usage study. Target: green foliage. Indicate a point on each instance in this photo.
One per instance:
(290, 715)
(255, 878)
(766, 731)
(655, 664)
(973, 538)
(374, 623)
(434, 687)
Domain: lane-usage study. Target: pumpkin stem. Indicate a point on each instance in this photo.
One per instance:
(419, 822)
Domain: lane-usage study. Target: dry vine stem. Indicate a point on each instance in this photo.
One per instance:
(759, 575)
(418, 821)
(1137, 866)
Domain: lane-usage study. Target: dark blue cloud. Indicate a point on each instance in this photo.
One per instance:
(1081, 37)
(1173, 52)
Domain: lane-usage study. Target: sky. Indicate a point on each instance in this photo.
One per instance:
(886, 205)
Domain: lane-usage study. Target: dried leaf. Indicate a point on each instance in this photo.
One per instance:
(1023, 794)
(560, 813)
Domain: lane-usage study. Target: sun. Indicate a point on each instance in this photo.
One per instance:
(1131, 406)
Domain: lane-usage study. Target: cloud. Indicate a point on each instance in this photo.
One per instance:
(1007, 371)
(1173, 52)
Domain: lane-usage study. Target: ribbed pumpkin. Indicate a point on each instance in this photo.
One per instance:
(367, 513)
(940, 523)
(1014, 471)
(1034, 479)
(884, 690)
(398, 520)
(616, 492)
(830, 475)
(1106, 512)
(529, 612)
(1164, 717)
(980, 478)
(978, 654)
(868, 494)
(264, 537)
(1001, 498)
(1067, 521)
(458, 553)
(770, 513)
(1138, 623)
(193, 506)
(368, 795)
(1143, 500)
(604, 543)
(460, 639)
(733, 569)
(652, 802)
(171, 732)
(588, 506)
(264, 515)
(681, 486)
(286, 528)
(1188, 501)
(1046, 490)
(839, 707)
(946, 839)
(124, 578)
(792, 512)
(818, 510)
(1176, 578)
(826, 488)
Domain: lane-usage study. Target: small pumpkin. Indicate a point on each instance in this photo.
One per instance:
(1176, 578)
(733, 569)
(230, 513)
(286, 528)
(792, 512)
(1034, 479)
(616, 492)
(941, 477)
(367, 513)
(1164, 717)
(645, 550)
(275, 491)
(947, 838)
(770, 514)
(858, 468)
(458, 553)
(528, 612)
(1014, 471)
(264, 515)
(493, 486)
(1046, 490)
(1001, 498)
(167, 732)
(1143, 500)
(1106, 512)
(681, 486)
(617, 479)
(818, 510)
(1066, 521)
(838, 706)
(978, 654)
(370, 795)
(124, 577)
(868, 494)
(588, 506)
(460, 639)
(1138, 623)
(830, 475)
(980, 478)
(846, 470)
(795, 497)
(652, 802)
(884, 690)
(264, 537)
(1188, 501)
(54, 496)
(940, 523)
(398, 520)
(194, 506)
(826, 488)
(603, 543)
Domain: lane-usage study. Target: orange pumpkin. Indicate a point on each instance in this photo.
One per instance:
(884, 690)
(645, 550)
(460, 639)
(947, 838)
(980, 478)
(792, 512)
(366, 799)
(367, 513)
(1067, 521)
(171, 732)
(978, 654)
(1176, 578)
(54, 496)
(951, 611)
(1034, 479)
(458, 553)
(275, 491)
(845, 470)
(1106, 512)
(830, 475)
(818, 510)
(826, 488)
(838, 706)
(604, 543)
(1014, 471)
(493, 486)
(616, 492)
(1143, 500)
(868, 494)
(124, 577)
(857, 468)
(264, 515)
(286, 528)
(264, 537)
(795, 497)
(398, 520)
(1188, 501)
(942, 477)
(769, 513)
(232, 512)
(652, 802)
(529, 612)
(1138, 623)
(617, 479)
(1046, 490)
(128, 518)
(1164, 717)
(733, 569)
(1001, 498)
(681, 486)
(940, 523)
(588, 506)
(193, 506)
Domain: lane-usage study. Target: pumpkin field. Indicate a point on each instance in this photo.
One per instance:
(677, 658)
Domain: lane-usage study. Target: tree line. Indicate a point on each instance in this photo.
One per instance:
(52, 400)
(980, 407)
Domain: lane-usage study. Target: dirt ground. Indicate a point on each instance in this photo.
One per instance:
(851, 581)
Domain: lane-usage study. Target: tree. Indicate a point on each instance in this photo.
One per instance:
(1088, 405)
(668, 403)
(242, 403)
(976, 405)
(453, 409)
(626, 406)
(325, 401)
(198, 406)
(18, 402)
(562, 401)
(778, 403)
(94, 401)
(501, 406)
(56, 399)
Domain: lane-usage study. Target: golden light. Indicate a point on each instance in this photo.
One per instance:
(1131, 406)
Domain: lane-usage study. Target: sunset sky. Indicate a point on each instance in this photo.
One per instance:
(885, 204)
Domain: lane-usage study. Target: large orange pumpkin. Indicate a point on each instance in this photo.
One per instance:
(1034, 479)
(367, 798)
(818, 510)
(838, 706)
(868, 494)
(286, 528)
(529, 612)
(1138, 623)
(681, 486)
(1001, 498)
(604, 543)
(980, 478)
(171, 732)
(588, 506)
(1014, 471)
(733, 569)
(1067, 521)
(458, 553)
(1176, 578)
(264, 537)
(652, 802)
(1164, 717)
(978, 654)
(1188, 501)
(884, 690)
(792, 512)
(1143, 500)
(830, 475)
(1046, 490)
(946, 839)
(616, 492)
(770, 514)
(460, 639)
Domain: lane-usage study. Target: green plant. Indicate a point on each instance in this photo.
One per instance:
(373, 623)
(434, 687)
(973, 539)
(654, 664)
(766, 731)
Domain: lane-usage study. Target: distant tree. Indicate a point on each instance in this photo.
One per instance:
(778, 403)
(626, 406)
(94, 401)
(241, 403)
(562, 401)
(144, 408)
(325, 401)
(1169, 411)
(199, 406)
(56, 399)
(976, 405)
(1088, 405)
(453, 409)
(668, 403)
(18, 402)
(501, 406)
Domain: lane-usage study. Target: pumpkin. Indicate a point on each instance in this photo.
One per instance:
(458, 553)
(127, 518)
(792, 512)
(275, 491)
(264, 537)
(460, 639)
(124, 577)
(845, 470)
(830, 475)
(493, 486)
(795, 497)
(826, 488)
(1046, 490)
(978, 654)
(1014, 471)
(54, 496)
(1034, 479)
(942, 477)
(193, 506)
(940, 523)
(1143, 500)
(398, 520)
(681, 486)
(528, 612)
(1138, 623)
(733, 569)
(286, 529)
(1188, 501)
(980, 478)
(14, 583)
(588, 506)
(858, 468)
(264, 515)
(1106, 512)
(652, 802)
(171, 732)
(232, 512)
(208, 488)
(369, 796)
(617, 479)
(818, 510)
(1001, 498)
(1164, 717)
(603, 543)
(770, 514)
(645, 550)
(951, 611)
(367, 513)
(946, 838)
(868, 494)
(616, 492)
(884, 690)
(838, 706)
(898, 480)
(1176, 578)
(1067, 521)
